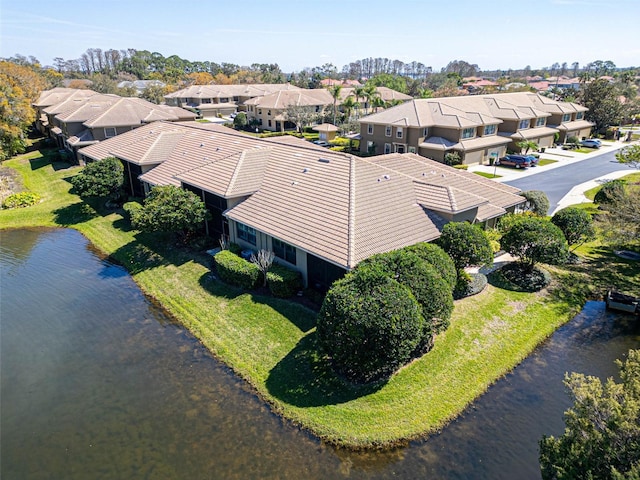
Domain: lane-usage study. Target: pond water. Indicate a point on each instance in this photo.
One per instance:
(97, 382)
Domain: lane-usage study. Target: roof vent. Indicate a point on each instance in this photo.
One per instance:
(324, 160)
(217, 148)
(202, 144)
(305, 170)
(443, 175)
(294, 183)
(387, 177)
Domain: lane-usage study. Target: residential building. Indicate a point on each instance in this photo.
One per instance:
(320, 212)
(83, 119)
(270, 111)
(211, 101)
(476, 127)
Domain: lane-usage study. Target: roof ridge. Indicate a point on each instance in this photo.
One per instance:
(236, 171)
(351, 213)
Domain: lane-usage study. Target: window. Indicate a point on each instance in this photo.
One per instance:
(469, 132)
(523, 124)
(224, 100)
(579, 115)
(268, 112)
(370, 129)
(284, 251)
(412, 149)
(400, 148)
(259, 111)
(206, 100)
(235, 99)
(387, 148)
(269, 122)
(371, 147)
(490, 129)
(387, 131)
(425, 132)
(540, 122)
(109, 132)
(566, 117)
(246, 233)
(399, 132)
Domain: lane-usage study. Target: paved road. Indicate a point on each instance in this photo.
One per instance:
(556, 183)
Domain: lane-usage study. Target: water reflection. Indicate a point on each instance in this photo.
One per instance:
(99, 383)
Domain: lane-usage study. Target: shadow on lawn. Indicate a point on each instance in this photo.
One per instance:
(49, 157)
(74, 214)
(302, 317)
(305, 379)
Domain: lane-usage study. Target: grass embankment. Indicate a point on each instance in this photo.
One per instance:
(270, 342)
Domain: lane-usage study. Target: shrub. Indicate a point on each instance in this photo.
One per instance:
(21, 200)
(100, 179)
(537, 202)
(611, 191)
(510, 219)
(431, 291)
(131, 209)
(369, 325)
(466, 244)
(461, 167)
(235, 270)
(452, 158)
(535, 240)
(170, 209)
(436, 256)
(283, 282)
(494, 239)
(576, 225)
(573, 139)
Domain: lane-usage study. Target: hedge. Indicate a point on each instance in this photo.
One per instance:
(235, 270)
(283, 282)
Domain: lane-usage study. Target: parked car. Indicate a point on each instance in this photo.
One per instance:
(518, 161)
(591, 143)
(322, 143)
(533, 159)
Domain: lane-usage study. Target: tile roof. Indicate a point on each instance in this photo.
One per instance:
(335, 206)
(225, 91)
(472, 110)
(283, 99)
(60, 94)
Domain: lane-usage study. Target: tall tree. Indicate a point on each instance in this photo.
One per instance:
(602, 435)
(19, 88)
(335, 93)
(602, 99)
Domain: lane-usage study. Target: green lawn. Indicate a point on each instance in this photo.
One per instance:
(546, 161)
(488, 175)
(631, 178)
(270, 342)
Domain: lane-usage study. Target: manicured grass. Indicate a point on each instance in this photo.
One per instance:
(488, 175)
(632, 178)
(546, 161)
(271, 343)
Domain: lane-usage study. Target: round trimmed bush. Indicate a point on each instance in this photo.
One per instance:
(21, 200)
(431, 291)
(235, 270)
(576, 225)
(436, 256)
(369, 325)
(466, 244)
(610, 192)
(537, 202)
(535, 240)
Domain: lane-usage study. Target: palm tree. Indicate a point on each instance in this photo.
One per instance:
(527, 145)
(358, 92)
(370, 92)
(348, 105)
(376, 103)
(335, 93)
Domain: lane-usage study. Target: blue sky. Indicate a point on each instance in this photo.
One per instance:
(297, 34)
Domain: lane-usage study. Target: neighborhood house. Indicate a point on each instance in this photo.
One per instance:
(321, 212)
